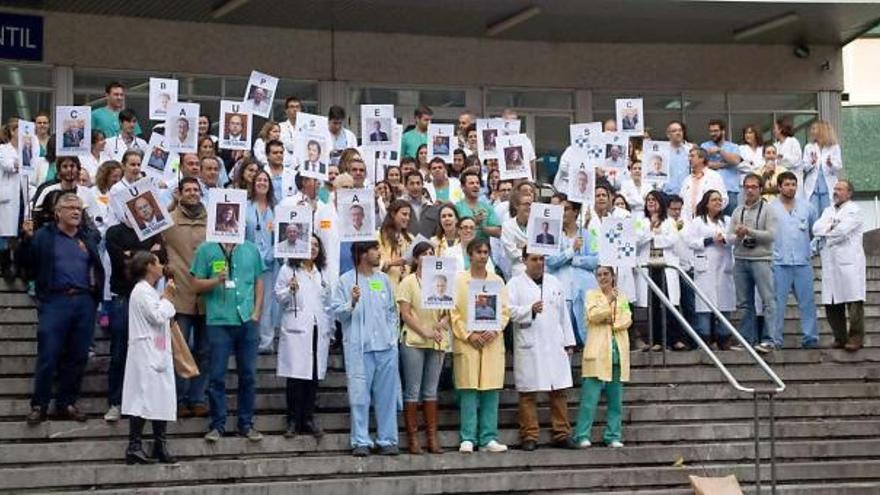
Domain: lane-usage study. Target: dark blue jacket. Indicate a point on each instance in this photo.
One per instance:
(38, 254)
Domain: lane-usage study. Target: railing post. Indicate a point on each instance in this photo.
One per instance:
(663, 311)
(757, 445)
(651, 297)
(772, 414)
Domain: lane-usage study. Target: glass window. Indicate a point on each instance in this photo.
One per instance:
(434, 98)
(705, 102)
(95, 81)
(189, 86)
(26, 75)
(557, 100)
(738, 121)
(25, 103)
(764, 102)
(698, 125)
(233, 87)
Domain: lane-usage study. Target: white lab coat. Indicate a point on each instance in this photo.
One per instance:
(635, 195)
(326, 227)
(10, 190)
(148, 390)
(713, 264)
(666, 241)
(513, 240)
(752, 160)
(811, 171)
(540, 360)
(115, 148)
(692, 191)
(788, 153)
(843, 256)
(312, 308)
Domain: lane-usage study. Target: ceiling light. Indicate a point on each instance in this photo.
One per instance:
(765, 26)
(520, 17)
(227, 7)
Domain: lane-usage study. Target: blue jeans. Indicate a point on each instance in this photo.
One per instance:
(191, 391)
(380, 386)
(64, 334)
(421, 372)
(240, 340)
(117, 311)
(747, 276)
(270, 318)
(732, 202)
(687, 303)
(797, 278)
(704, 325)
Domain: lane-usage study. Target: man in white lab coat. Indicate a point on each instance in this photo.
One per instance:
(543, 341)
(840, 230)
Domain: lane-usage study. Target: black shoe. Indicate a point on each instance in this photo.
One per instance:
(310, 427)
(136, 455)
(528, 445)
(161, 454)
(389, 450)
(36, 416)
(360, 451)
(290, 432)
(568, 443)
(73, 413)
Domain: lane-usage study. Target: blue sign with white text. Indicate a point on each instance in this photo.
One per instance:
(21, 37)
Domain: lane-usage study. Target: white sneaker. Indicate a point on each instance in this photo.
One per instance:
(616, 444)
(494, 446)
(585, 444)
(466, 447)
(765, 348)
(113, 414)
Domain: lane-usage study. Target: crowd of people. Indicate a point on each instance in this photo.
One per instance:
(743, 221)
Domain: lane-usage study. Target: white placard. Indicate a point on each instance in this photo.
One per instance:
(618, 242)
(488, 131)
(582, 179)
(28, 146)
(655, 162)
(544, 230)
(73, 131)
(441, 141)
(438, 282)
(484, 306)
(226, 215)
(630, 116)
(377, 125)
(293, 231)
(313, 143)
(157, 159)
(236, 126)
(615, 157)
(582, 135)
(357, 217)
(145, 214)
(259, 94)
(163, 92)
(513, 161)
(182, 127)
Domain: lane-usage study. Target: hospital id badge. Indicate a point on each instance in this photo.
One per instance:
(229, 284)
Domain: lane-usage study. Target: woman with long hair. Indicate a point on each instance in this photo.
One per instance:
(423, 344)
(89, 162)
(422, 164)
(788, 148)
(446, 235)
(395, 180)
(303, 292)
(243, 178)
(657, 241)
(271, 131)
(394, 240)
(706, 235)
(478, 357)
(259, 229)
(148, 390)
(605, 366)
(751, 150)
(822, 164)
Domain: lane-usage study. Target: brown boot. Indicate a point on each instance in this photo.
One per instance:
(854, 343)
(411, 419)
(430, 407)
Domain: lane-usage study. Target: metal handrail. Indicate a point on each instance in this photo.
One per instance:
(755, 391)
(780, 386)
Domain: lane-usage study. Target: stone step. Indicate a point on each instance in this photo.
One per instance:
(854, 488)
(480, 470)
(338, 399)
(96, 383)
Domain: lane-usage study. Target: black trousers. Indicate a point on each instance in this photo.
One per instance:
(673, 329)
(302, 394)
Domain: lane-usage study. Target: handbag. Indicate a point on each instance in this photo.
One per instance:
(184, 364)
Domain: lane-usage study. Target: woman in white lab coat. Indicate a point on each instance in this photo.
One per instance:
(148, 390)
(706, 235)
(657, 240)
(822, 164)
(304, 341)
(10, 194)
(788, 150)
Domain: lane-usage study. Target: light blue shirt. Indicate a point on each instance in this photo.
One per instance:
(679, 169)
(728, 172)
(373, 323)
(575, 269)
(791, 241)
(259, 230)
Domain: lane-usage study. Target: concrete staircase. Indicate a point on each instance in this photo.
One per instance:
(679, 420)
